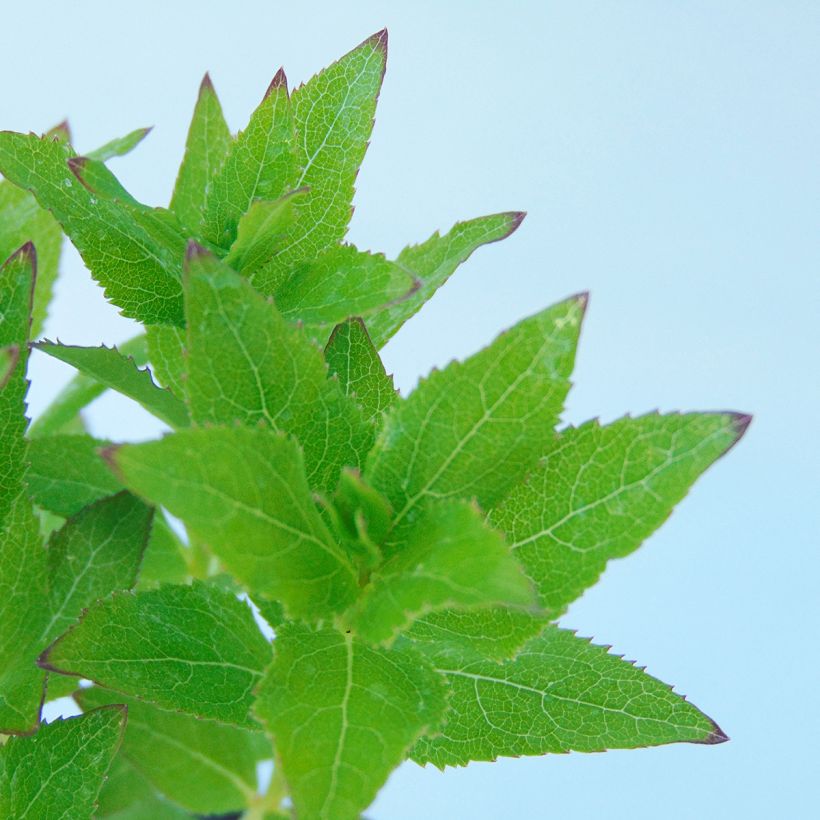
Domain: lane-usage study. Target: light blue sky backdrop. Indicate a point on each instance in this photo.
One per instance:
(667, 153)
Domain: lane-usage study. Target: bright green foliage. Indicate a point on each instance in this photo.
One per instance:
(205, 150)
(244, 492)
(193, 648)
(559, 694)
(474, 428)
(260, 165)
(368, 282)
(352, 358)
(23, 220)
(451, 559)
(342, 715)
(247, 364)
(260, 230)
(600, 491)
(139, 265)
(62, 415)
(119, 146)
(66, 473)
(434, 261)
(58, 772)
(178, 753)
(110, 368)
(126, 795)
(333, 117)
(309, 568)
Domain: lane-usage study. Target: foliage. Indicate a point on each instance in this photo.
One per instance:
(412, 554)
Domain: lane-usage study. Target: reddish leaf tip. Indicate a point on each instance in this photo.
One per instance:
(516, 218)
(194, 250)
(378, 40)
(716, 736)
(206, 84)
(582, 299)
(278, 82)
(741, 422)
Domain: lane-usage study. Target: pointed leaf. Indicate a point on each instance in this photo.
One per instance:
(205, 150)
(64, 410)
(23, 220)
(434, 261)
(351, 356)
(260, 164)
(342, 715)
(560, 694)
(478, 426)
(333, 116)
(95, 553)
(66, 473)
(195, 649)
(451, 559)
(133, 254)
(99, 180)
(600, 491)
(204, 766)
(243, 491)
(59, 771)
(247, 364)
(109, 367)
(340, 283)
(120, 146)
(260, 230)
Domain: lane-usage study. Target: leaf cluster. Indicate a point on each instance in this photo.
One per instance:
(411, 554)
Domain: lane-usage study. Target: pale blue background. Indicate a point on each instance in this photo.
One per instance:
(667, 153)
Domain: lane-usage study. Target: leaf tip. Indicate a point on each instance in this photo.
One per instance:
(278, 82)
(516, 218)
(194, 251)
(206, 86)
(716, 736)
(740, 423)
(378, 40)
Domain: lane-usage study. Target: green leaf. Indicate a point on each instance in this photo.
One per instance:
(23, 220)
(64, 410)
(260, 230)
(195, 649)
(451, 559)
(560, 694)
(165, 559)
(126, 795)
(58, 772)
(342, 282)
(333, 117)
(98, 179)
(205, 150)
(130, 251)
(17, 275)
(120, 146)
(109, 367)
(23, 591)
(9, 356)
(343, 715)
(247, 364)
(96, 552)
(204, 766)
(60, 686)
(351, 357)
(364, 513)
(434, 261)
(66, 473)
(494, 632)
(600, 491)
(243, 492)
(166, 353)
(477, 427)
(260, 164)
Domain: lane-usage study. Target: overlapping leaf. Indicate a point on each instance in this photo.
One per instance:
(246, 363)
(333, 117)
(204, 766)
(243, 491)
(561, 693)
(475, 428)
(194, 649)
(600, 491)
(59, 771)
(343, 715)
